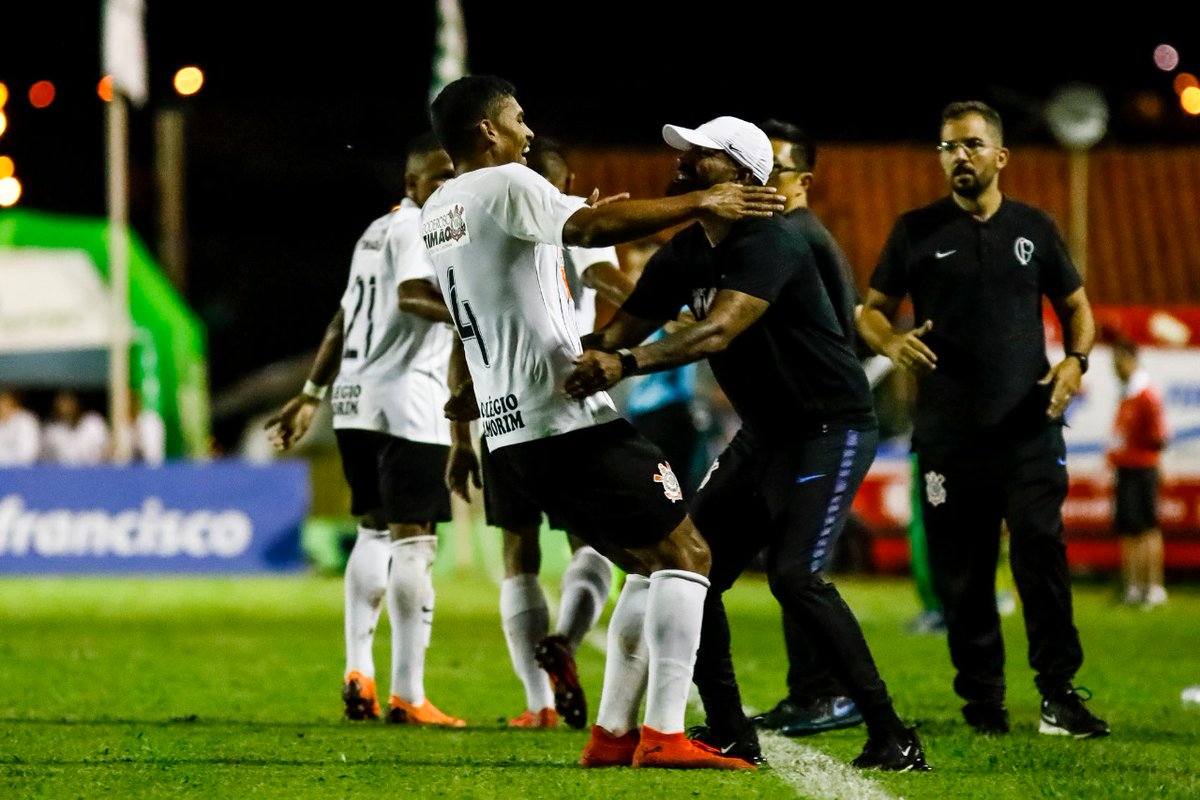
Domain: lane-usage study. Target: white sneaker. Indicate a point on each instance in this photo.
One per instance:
(1155, 596)
(1133, 596)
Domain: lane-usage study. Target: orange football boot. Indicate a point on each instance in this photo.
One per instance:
(676, 751)
(546, 718)
(358, 693)
(403, 713)
(605, 750)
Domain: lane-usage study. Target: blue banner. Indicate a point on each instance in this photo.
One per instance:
(223, 516)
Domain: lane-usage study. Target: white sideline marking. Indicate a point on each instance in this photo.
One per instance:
(806, 769)
(815, 775)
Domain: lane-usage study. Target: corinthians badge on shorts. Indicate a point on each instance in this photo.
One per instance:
(669, 482)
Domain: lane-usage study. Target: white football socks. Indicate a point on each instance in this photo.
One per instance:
(626, 663)
(364, 584)
(585, 587)
(526, 621)
(674, 611)
(410, 612)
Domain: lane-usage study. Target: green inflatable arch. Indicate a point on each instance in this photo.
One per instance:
(168, 356)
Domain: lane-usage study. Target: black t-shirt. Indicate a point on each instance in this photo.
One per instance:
(982, 284)
(794, 368)
(836, 272)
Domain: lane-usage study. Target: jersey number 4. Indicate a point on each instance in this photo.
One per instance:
(469, 329)
(363, 287)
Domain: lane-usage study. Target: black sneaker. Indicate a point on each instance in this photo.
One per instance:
(784, 712)
(1064, 714)
(990, 719)
(823, 714)
(896, 753)
(744, 747)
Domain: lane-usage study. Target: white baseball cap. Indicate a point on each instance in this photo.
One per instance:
(745, 142)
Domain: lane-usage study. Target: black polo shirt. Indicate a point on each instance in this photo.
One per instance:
(794, 368)
(982, 284)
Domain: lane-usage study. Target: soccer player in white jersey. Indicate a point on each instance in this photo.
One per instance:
(389, 355)
(553, 690)
(495, 233)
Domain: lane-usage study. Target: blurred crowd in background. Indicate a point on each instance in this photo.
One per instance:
(67, 428)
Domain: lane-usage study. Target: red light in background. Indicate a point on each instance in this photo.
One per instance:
(41, 94)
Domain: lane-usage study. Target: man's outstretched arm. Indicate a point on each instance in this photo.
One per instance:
(731, 313)
(626, 220)
(906, 350)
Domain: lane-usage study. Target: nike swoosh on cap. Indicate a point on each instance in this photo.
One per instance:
(940, 254)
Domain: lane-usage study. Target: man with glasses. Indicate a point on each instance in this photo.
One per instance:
(816, 701)
(989, 414)
(780, 345)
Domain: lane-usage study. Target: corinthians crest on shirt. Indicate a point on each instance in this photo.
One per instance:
(670, 484)
(444, 229)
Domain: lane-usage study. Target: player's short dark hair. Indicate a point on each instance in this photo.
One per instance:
(961, 108)
(422, 143)
(804, 149)
(545, 145)
(459, 107)
(543, 151)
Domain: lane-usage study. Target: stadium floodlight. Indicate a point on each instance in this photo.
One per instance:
(1077, 115)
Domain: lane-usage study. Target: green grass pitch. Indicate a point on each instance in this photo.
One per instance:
(229, 687)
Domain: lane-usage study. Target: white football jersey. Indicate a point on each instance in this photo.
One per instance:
(393, 373)
(495, 236)
(578, 260)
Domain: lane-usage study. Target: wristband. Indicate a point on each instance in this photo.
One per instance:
(312, 390)
(629, 363)
(1081, 358)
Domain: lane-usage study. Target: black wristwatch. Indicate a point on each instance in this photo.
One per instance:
(629, 363)
(1081, 358)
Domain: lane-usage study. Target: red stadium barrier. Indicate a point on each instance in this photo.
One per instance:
(882, 503)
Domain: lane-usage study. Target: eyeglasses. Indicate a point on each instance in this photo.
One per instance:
(779, 169)
(972, 145)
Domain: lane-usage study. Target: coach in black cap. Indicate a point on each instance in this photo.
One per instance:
(988, 422)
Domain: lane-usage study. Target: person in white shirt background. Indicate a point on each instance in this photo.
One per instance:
(74, 436)
(20, 432)
(149, 432)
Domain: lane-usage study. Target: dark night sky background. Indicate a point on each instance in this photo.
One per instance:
(294, 141)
